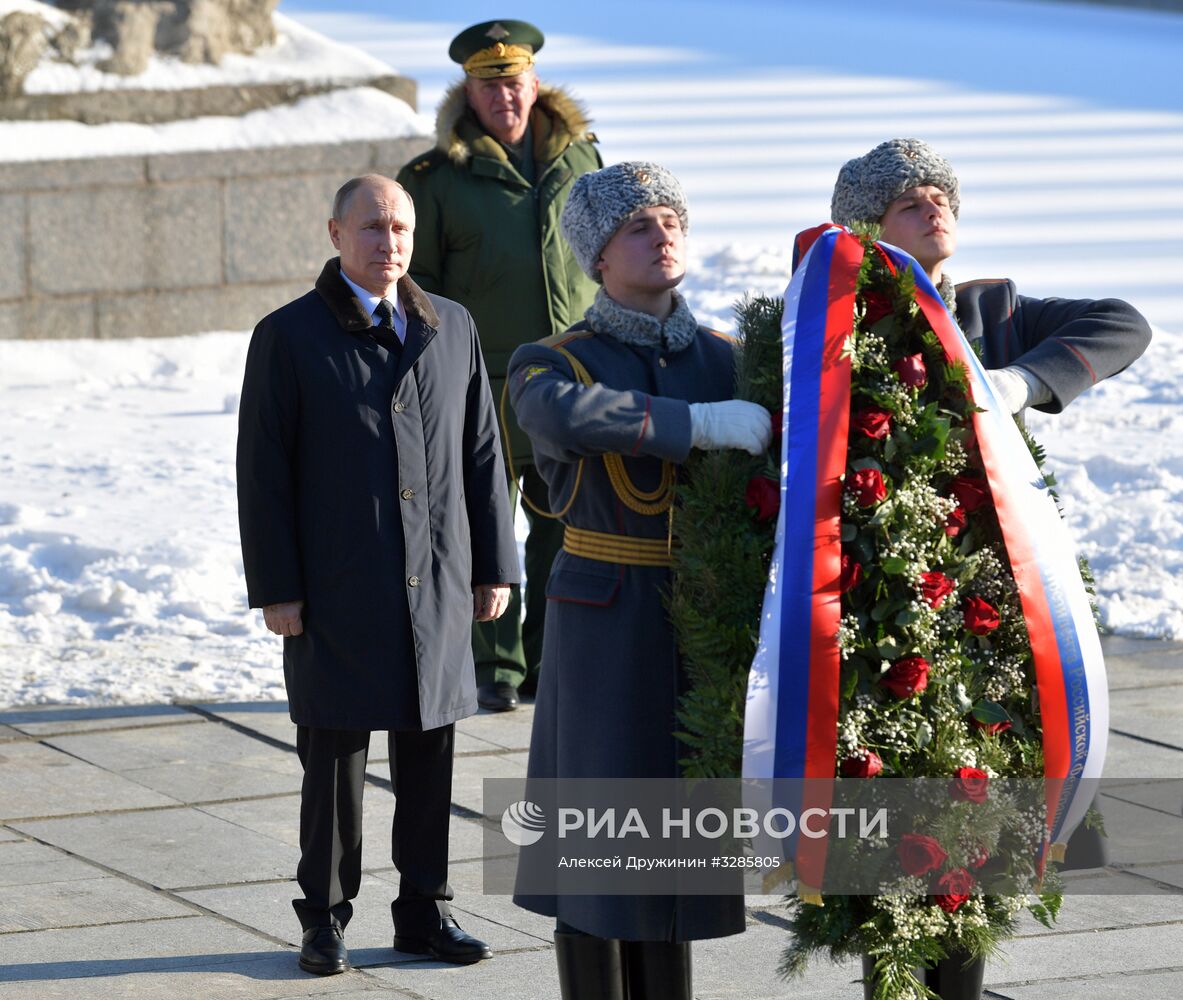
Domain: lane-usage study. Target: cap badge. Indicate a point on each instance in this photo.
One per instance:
(497, 32)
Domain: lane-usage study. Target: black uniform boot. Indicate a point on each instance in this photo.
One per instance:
(658, 970)
(590, 967)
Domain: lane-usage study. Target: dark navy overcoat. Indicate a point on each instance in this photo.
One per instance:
(371, 486)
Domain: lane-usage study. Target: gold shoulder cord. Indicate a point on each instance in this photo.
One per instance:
(656, 501)
(513, 474)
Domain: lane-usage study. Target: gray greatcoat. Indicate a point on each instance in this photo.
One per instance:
(1069, 344)
(611, 673)
(371, 487)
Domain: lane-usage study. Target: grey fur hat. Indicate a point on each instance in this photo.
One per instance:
(601, 201)
(868, 184)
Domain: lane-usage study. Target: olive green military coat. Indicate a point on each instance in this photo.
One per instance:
(489, 238)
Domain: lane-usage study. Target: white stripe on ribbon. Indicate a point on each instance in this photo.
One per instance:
(1055, 556)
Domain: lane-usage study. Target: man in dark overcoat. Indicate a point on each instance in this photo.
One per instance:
(508, 148)
(613, 406)
(376, 527)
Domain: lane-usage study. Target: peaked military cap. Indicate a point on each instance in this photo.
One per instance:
(496, 48)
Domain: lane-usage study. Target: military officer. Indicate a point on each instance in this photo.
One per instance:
(488, 199)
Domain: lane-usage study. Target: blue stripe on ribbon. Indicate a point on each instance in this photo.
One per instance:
(1076, 688)
(799, 497)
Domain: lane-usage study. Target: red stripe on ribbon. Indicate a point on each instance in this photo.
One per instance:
(821, 750)
(1020, 548)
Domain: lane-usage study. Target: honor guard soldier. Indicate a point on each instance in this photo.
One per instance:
(614, 406)
(1039, 353)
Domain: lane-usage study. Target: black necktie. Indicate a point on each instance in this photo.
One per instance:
(385, 313)
(384, 332)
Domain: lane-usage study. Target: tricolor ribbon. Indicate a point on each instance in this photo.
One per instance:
(791, 717)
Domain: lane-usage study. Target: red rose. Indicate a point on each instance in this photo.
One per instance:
(906, 677)
(763, 496)
(873, 422)
(868, 488)
(911, 371)
(992, 727)
(969, 784)
(970, 493)
(953, 889)
(919, 854)
(981, 617)
(979, 857)
(876, 305)
(955, 522)
(935, 587)
(851, 575)
(866, 764)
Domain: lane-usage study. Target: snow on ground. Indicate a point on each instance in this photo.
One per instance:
(120, 578)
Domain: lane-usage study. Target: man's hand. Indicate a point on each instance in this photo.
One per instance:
(489, 601)
(284, 619)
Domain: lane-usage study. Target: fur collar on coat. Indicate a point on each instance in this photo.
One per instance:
(556, 121)
(343, 304)
(639, 329)
(948, 292)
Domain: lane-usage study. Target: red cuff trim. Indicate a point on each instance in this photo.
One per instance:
(1083, 360)
(644, 426)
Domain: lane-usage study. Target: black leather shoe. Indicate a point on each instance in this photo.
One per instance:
(323, 952)
(499, 696)
(448, 944)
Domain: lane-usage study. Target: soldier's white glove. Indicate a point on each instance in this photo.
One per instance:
(1017, 388)
(732, 423)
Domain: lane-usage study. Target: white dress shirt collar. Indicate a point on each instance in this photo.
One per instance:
(370, 302)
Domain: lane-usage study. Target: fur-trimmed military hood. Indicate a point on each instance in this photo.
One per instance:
(556, 120)
(343, 304)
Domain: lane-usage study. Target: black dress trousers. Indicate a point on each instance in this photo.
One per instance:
(329, 873)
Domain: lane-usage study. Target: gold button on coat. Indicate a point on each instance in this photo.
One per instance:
(661, 361)
(399, 406)
(413, 582)
(407, 494)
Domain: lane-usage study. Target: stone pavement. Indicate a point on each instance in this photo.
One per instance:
(148, 852)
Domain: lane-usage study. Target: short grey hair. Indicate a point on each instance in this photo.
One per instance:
(345, 192)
